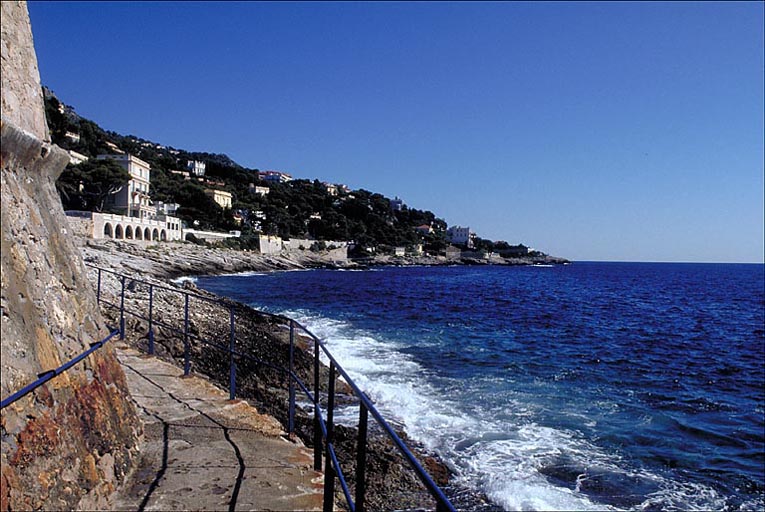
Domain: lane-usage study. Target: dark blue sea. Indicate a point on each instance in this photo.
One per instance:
(587, 386)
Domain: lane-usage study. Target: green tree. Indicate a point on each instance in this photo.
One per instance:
(57, 122)
(87, 185)
(482, 244)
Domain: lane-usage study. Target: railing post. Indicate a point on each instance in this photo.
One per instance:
(186, 350)
(316, 410)
(231, 361)
(291, 425)
(361, 457)
(98, 288)
(440, 507)
(122, 310)
(151, 319)
(329, 472)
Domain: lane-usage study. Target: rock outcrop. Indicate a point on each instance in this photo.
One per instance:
(70, 442)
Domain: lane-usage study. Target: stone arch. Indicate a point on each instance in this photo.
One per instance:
(163, 235)
(108, 230)
(147, 234)
(155, 234)
(138, 233)
(129, 232)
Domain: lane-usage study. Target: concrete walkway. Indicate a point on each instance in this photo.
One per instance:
(204, 452)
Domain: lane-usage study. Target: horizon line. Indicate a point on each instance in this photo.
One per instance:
(658, 261)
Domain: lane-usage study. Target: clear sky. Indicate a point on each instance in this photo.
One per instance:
(594, 131)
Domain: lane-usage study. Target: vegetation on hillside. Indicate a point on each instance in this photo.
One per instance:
(87, 185)
(296, 209)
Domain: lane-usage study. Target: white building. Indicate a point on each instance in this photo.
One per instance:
(185, 174)
(76, 158)
(275, 176)
(196, 167)
(167, 208)
(121, 227)
(261, 191)
(330, 188)
(133, 198)
(114, 147)
(460, 236)
(221, 197)
(396, 204)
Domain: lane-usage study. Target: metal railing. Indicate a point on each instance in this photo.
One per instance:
(48, 375)
(323, 429)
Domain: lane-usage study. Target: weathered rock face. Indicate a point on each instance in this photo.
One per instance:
(22, 99)
(69, 443)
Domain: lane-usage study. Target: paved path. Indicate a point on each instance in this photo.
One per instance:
(204, 452)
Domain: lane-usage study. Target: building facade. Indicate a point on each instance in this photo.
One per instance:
(167, 208)
(275, 176)
(258, 190)
(133, 198)
(221, 197)
(460, 236)
(185, 174)
(121, 227)
(196, 167)
(330, 188)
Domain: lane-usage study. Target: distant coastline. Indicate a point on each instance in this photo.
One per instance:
(170, 260)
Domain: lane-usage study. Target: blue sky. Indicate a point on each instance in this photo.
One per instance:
(595, 131)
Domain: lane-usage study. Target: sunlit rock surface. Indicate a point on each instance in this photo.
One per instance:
(68, 444)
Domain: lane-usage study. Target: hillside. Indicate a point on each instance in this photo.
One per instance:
(296, 209)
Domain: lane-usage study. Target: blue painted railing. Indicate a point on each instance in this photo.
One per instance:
(48, 375)
(323, 430)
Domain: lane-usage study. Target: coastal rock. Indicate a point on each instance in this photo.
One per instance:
(390, 480)
(67, 444)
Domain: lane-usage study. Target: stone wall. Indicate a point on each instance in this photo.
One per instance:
(336, 250)
(270, 244)
(208, 236)
(69, 443)
(304, 244)
(80, 225)
(22, 99)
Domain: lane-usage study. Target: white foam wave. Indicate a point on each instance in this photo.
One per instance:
(398, 388)
(519, 464)
(248, 273)
(180, 280)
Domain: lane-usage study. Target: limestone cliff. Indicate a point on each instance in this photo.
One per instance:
(70, 442)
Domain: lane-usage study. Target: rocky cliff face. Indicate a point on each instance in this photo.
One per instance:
(69, 443)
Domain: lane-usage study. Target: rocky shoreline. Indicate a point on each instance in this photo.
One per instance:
(389, 478)
(172, 260)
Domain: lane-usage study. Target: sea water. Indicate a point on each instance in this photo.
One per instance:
(627, 386)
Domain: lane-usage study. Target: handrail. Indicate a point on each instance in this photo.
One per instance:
(48, 375)
(323, 430)
(421, 473)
